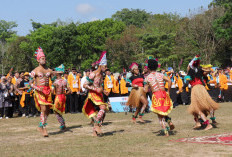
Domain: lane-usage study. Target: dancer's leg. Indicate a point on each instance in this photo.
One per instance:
(163, 124)
(198, 124)
(99, 119)
(43, 118)
(61, 121)
(144, 104)
(206, 121)
(212, 117)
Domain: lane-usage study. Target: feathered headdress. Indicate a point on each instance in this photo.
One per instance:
(195, 63)
(60, 69)
(134, 65)
(39, 53)
(103, 60)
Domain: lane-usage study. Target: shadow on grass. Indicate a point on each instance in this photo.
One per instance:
(145, 122)
(161, 133)
(106, 123)
(68, 129)
(111, 133)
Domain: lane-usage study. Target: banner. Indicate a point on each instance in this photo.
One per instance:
(118, 104)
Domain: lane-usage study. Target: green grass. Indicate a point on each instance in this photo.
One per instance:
(19, 137)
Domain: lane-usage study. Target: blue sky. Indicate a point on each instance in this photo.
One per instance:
(48, 11)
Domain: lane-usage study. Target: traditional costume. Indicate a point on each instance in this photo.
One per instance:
(60, 99)
(161, 102)
(136, 92)
(201, 102)
(94, 106)
(43, 97)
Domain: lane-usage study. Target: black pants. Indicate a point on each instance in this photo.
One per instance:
(74, 102)
(82, 101)
(29, 107)
(228, 94)
(4, 111)
(67, 105)
(173, 96)
(184, 97)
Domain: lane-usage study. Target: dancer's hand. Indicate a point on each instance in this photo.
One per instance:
(145, 88)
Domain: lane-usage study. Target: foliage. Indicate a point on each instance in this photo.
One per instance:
(129, 36)
(135, 17)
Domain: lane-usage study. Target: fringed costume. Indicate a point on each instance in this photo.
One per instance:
(202, 104)
(134, 100)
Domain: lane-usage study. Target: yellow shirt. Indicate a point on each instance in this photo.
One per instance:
(74, 83)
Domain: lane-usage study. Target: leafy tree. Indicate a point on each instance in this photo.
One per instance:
(125, 49)
(135, 17)
(6, 31)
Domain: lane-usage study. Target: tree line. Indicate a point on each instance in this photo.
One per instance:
(129, 35)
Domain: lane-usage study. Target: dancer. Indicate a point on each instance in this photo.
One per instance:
(137, 98)
(94, 106)
(42, 93)
(201, 103)
(60, 86)
(161, 102)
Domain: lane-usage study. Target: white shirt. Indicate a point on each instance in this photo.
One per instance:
(82, 83)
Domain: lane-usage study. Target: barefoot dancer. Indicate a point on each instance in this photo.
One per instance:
(161, 102)
(42, 94)
(94, 101)
(137, 98)
(60, 86)
(201, 103)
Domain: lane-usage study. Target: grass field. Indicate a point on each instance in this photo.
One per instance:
(19, 137)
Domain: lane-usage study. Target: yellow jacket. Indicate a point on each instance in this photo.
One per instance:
(223, 82)
(123, 88)
(74, 83)
(116, 86)
(108, 84)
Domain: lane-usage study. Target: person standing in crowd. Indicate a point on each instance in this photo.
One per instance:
(60, 86)
(109, 83)
(228, 93)
(67, 106)
(123, 87)
(137, 98)
(94, 106)
(161, 102)
(27, 99)
(42, 93)
(173, 91)
(110, 86)
(201, 103)
(18, 94)
(214, 91)
(116, 84)
(84, 91)
(75, 85)
(182, 94)
(6, 93)
(222, 84)
(15, 102)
